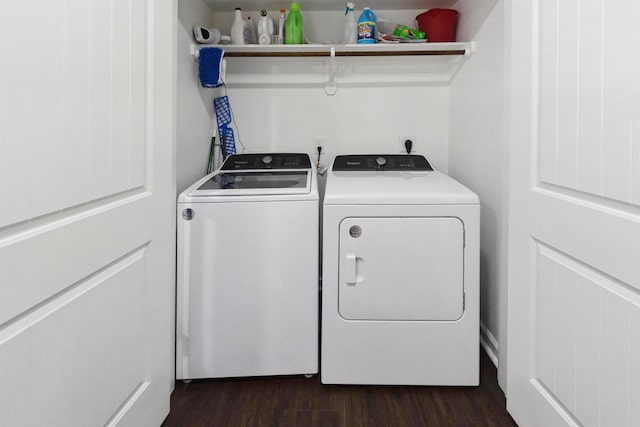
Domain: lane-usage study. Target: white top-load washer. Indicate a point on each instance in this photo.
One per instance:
(400, 297)
(247, 285)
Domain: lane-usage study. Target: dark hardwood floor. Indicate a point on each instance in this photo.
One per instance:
(305, 402)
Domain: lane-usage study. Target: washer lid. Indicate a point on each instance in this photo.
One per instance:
(257, 174)
(230, 183)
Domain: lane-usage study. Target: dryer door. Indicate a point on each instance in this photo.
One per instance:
(398, 268)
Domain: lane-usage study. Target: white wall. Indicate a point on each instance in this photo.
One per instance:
(288, 118)
(354, 120)
(195, 111)
(478, 157)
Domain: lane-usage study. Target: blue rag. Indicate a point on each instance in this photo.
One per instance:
(210, 66)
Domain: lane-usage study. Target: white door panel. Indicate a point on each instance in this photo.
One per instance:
(86, 212)
(586, 92)
(75, 256)
(401, 268)
(574, 297)
(75, 109)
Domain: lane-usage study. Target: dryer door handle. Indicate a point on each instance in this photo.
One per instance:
(351, 269)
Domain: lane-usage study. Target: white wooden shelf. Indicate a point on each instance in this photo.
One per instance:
(343, 65)
(378, 49)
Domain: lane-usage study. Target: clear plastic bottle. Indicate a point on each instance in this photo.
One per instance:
(293, 26)
(367, 27)
(281, 26)
(250, 32)
(350, 26)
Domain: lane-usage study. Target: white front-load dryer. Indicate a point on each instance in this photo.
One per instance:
(400, 293)
(247, 282)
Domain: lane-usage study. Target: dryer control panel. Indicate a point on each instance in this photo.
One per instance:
(267, 161)
(384, 162)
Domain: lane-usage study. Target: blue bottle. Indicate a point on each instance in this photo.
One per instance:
(367, 27)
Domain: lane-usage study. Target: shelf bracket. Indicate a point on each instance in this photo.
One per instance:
(331, 73)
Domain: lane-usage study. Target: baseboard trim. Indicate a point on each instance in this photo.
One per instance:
(489, 343)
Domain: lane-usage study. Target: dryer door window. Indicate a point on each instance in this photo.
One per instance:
(401, 269)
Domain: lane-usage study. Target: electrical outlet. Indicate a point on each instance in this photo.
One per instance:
(401, 144)
(318, 141)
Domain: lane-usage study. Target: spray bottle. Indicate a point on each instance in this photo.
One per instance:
(350, 27)
(265, 28)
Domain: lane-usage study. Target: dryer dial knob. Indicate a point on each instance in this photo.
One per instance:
(381, 161)
(267, 160)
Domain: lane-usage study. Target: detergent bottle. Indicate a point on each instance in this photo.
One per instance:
(367, 27)
(237, 29)
(293, 26)
(350, 27)
(241, 30)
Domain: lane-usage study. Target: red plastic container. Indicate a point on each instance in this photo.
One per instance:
(439, 24)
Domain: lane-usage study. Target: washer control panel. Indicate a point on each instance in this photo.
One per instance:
(267, 161)
(381, 162)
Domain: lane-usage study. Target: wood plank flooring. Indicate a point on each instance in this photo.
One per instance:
(305, 402)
